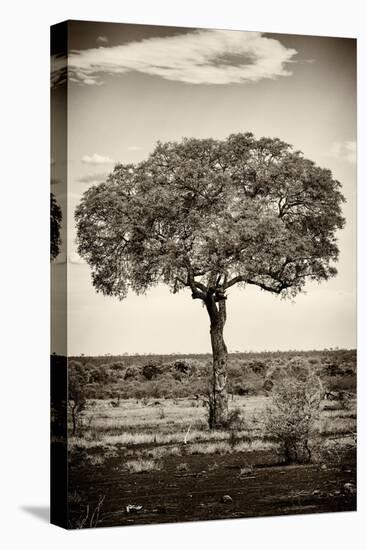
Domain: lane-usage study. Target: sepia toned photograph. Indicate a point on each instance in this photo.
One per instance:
(203, 270)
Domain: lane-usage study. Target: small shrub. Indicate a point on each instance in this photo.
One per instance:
(292, 417)
(246, 470)
(333, 451)
(268, 385)
(139, 466)
(242, 390)
(183, 467)
(235, 420)
(151, 371)
(95, 460)
(182, 367)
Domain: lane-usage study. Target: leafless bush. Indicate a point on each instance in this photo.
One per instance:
(333, 451)
(291, 419)
(90, 517)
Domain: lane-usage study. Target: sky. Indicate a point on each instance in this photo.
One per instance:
(132, 85)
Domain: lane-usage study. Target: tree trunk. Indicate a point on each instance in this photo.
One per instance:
(218, 398)
(74, 420)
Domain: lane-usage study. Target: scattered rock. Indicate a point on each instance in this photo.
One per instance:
(246, 471)
(133, 508)
(349, 489)
(226, 499)
(316, 492)
(324, 467)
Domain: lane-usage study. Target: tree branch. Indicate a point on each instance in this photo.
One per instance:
(278, 290)
(199, 290)
(242, 279)
(238, 279)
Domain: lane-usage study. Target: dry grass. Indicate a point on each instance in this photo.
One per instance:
(139, 466)
(96, 460)
(137, 432)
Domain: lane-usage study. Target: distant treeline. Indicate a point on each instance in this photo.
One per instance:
(159, 376)
(129, 359)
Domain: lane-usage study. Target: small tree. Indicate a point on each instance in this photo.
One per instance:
(206, 215)
(77, 380)
(291, 419)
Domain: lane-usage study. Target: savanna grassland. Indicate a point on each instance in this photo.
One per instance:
(140, 449)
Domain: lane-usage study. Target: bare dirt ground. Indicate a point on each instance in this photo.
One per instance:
(171, 496)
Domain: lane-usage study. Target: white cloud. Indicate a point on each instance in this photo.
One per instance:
(96, 159)
(102, 39)
(93, 179)
(134, 148)
(345, 150)
(197, 57)
(58, 70)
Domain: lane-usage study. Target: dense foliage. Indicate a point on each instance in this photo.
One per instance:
(159, 376)
(208, 214)
(55, 226)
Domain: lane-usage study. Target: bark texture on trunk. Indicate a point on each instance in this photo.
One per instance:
(218, 399)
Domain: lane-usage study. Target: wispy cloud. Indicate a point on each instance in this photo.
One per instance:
(93, 179)
(134, 148)
(345, 150)
(96, 159)
(197, 57)
(102, 39)
(58, 70)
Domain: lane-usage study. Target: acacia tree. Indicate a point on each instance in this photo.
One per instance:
(207, 215)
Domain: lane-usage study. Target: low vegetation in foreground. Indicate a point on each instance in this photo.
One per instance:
(141, 451)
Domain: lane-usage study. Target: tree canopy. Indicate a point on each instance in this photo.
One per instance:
(55, 226)
(207, 214)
